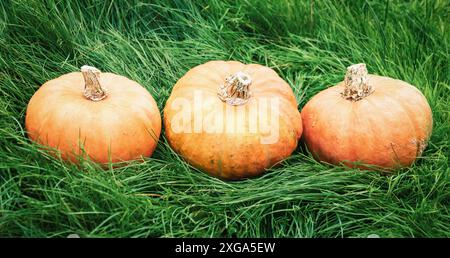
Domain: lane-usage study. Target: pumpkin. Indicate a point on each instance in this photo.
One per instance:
(232, 120)
(101, 116)
(367, 121)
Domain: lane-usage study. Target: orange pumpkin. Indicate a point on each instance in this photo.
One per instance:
(367, 119)
(103, 116)
(232, 120)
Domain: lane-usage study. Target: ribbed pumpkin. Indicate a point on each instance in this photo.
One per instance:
(103, 116)
(232, 120)
(367, 120)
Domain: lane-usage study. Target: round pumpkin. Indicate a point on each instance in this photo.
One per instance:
(367, 120)
(232, 120)
(89, 114)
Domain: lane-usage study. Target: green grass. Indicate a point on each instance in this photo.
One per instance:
(309, 43)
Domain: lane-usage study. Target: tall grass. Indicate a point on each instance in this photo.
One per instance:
(309, 43)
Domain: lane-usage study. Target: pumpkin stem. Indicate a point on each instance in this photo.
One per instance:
(92, 88)
(235, 90)
(356, 83)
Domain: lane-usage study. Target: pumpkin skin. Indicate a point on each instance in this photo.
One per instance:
(232, 155)
(122, 126)
(389, 128)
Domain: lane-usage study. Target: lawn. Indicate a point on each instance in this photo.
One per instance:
(308, 43)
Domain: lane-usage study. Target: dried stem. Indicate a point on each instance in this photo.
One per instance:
(235, 90)
(356, 82)
(92, 88)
